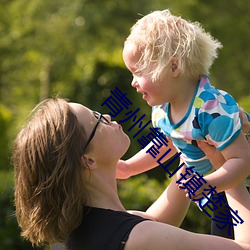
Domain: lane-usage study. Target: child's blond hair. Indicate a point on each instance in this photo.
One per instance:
(160, 36)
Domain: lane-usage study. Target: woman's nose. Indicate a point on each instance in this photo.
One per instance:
(108, 117)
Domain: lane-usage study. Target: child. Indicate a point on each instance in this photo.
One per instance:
(169, 59)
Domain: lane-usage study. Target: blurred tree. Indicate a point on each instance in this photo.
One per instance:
(51, 47)
(5, 123)
(244, 102)
(227, 22)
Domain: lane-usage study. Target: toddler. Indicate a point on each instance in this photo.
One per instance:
(170, 59)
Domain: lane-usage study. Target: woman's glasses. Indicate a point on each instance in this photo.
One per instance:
(100, 118)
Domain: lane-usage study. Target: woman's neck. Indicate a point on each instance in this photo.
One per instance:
(102, 189)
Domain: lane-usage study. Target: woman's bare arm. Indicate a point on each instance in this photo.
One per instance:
(160, 236)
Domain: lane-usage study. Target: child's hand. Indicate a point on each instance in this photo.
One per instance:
(122, 170)
(192, 191)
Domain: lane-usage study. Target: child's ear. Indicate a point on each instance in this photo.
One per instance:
(175, 66)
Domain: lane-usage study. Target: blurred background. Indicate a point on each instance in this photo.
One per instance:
(72, 48)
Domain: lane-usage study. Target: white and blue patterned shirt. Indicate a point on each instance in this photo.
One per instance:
(213, 115)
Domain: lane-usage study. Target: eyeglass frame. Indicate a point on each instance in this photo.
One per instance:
(100, 118)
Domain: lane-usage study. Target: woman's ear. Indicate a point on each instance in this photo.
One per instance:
(89, 161)
(175, 66)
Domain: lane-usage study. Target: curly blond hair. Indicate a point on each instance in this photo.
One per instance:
(49, 181)
(160, 36)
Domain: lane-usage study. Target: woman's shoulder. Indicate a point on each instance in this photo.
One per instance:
(110, 227)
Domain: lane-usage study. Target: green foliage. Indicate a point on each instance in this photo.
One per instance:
(73, 48)
(230, 71)
(5, 123)
(139, 192)
(196, 221)
(245, 103)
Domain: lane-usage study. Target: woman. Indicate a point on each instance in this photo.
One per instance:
(65, 191)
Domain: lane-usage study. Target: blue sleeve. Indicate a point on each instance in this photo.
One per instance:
(219, 120)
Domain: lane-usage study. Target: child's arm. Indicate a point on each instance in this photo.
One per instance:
(217, 159)
(235, 169)
(142, 161)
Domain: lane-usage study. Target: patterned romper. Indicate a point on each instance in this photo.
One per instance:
(213, 115)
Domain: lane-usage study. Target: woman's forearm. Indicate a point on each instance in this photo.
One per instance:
(171, 207)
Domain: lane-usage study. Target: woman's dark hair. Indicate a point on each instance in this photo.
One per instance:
(49, 180)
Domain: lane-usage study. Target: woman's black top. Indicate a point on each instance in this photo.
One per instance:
(102, 229)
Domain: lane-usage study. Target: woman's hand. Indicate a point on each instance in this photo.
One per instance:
(214, 156)
(245, 124)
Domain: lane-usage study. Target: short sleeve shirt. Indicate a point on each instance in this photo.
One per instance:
(213, 115)
(102, 229)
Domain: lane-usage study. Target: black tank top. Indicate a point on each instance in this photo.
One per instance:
(102, 229)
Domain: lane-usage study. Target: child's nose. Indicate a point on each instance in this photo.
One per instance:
(134, 83)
